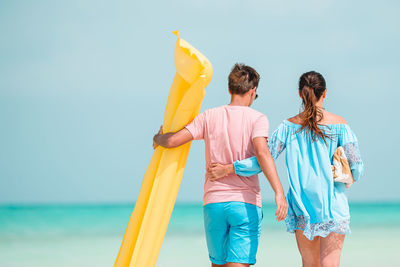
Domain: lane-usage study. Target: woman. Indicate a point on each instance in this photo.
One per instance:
(318, 209)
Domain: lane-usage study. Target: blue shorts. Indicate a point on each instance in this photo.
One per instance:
(232, 231)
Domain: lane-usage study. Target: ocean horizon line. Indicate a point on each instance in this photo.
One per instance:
(179, 203)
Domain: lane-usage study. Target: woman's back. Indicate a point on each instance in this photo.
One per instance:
(336, 129)
(339, 134)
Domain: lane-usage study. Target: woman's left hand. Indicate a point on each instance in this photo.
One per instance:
(216, 171)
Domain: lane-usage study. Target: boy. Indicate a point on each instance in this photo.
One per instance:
(232, 204)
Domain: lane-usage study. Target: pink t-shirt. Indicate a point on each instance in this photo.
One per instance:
(228, 133)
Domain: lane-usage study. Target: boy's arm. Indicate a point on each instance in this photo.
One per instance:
(192, 131)
(170, 140)
(267, 165)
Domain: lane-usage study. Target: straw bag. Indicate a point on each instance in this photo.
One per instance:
(341, 168)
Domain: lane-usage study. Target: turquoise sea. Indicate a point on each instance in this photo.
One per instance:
(90, 235)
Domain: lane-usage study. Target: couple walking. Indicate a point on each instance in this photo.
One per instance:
(238, 147)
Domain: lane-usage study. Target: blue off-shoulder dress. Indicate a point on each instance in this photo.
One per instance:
(317, 205)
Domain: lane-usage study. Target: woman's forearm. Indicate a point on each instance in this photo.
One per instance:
(247, 167)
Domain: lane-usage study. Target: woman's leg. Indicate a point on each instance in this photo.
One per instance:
(309, 249)
(331, 248)
(235, 264)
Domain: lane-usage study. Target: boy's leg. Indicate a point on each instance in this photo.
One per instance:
(244, 233)
(216, 229)
(309, 249)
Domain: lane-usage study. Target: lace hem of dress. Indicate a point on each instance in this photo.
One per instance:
(310, 230)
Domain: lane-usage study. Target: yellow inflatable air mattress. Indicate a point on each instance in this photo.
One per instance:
(149, 221)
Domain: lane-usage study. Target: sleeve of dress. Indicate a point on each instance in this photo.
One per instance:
(349, 142)
(276, 143)
(247, 167)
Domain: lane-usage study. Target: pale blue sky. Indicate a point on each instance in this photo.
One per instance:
(83, 86)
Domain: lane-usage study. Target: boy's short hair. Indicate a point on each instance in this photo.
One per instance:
(242, 78)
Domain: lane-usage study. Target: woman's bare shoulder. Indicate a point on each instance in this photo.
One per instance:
(331, 118)
(328, 118)
(295, 119)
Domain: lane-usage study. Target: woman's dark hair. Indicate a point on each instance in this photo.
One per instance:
(311, 87)
(242, 78)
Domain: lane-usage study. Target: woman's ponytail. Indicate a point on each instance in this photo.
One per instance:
(311, 87)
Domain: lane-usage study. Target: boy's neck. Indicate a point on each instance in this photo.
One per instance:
(238, 100)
